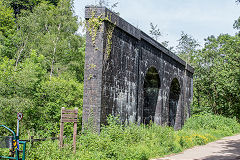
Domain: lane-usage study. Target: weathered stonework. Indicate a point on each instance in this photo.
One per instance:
(134, 81)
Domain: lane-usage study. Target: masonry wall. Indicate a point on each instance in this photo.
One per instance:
(114, 84)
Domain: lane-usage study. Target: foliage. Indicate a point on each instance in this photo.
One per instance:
(18, 88)
(236, 24)
(94, 24)
(52, 96)
(6, 18)
(212, 122)
(51, 31)
(30, 91)
(111, 5)
(187, 47)
(7, 30)
(117, 141)
(43, 71)
(155, 31)
(19, 5)
(216, 76)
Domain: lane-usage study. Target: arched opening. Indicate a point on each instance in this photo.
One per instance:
(151, 90)
(173, 101)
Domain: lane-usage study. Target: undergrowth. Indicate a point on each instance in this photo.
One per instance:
(142, 142)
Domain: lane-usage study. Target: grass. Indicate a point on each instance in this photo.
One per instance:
(138, 142)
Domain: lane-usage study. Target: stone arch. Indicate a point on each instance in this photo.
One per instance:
(150, 93)
(174, 96)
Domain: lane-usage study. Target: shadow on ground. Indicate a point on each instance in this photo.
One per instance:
(229, 151)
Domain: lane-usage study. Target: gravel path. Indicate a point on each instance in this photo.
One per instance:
(227, 148)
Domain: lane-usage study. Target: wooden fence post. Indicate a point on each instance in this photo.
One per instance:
(75, 132)
(61, 129)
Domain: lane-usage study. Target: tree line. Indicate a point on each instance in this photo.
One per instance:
(216, 81)
(41, 62)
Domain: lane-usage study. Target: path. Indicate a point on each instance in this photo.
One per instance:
(227, 148)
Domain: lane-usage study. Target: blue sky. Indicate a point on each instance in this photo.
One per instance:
(198, 18)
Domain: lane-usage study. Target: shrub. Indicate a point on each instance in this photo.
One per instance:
(28, 89)
(212, 122)
(118, 141)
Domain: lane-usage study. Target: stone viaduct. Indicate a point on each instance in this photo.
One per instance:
(130, 75)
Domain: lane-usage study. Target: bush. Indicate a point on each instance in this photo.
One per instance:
(28, 89)
(118, 141)
(51, 97)
(212, 122)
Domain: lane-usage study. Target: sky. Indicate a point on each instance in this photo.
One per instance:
(198, 18)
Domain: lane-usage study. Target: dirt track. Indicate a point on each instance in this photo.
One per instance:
(227, 148)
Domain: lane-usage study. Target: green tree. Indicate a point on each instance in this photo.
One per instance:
(217, 76)
(187, 47)
(45, 44)
(6, 19)
(50, 30)
(19, 5)
(155, 31)
(29, 90)
(236, 24)
(7, 31)
(18, 87)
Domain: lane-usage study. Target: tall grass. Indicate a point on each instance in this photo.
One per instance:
(118, 141)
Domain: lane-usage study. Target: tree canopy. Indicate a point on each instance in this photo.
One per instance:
(41, 64)
(217, 73)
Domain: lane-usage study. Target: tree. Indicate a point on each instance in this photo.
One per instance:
(107, 4)
(6, 19)
(236, 24)
(19, 5)
(7, 31)
(217, 76)
(155, 31)
(217, 70)
(50, 30)
(45, 71)
(187, 47)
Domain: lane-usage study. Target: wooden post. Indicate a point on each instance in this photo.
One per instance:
(61, 129)
(75, 132)
(31, 140)
(68, 116)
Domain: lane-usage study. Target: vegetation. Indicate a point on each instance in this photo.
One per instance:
(42, 68)
(41, 65)
(156, 33)
(117, 141)
(217, 72)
